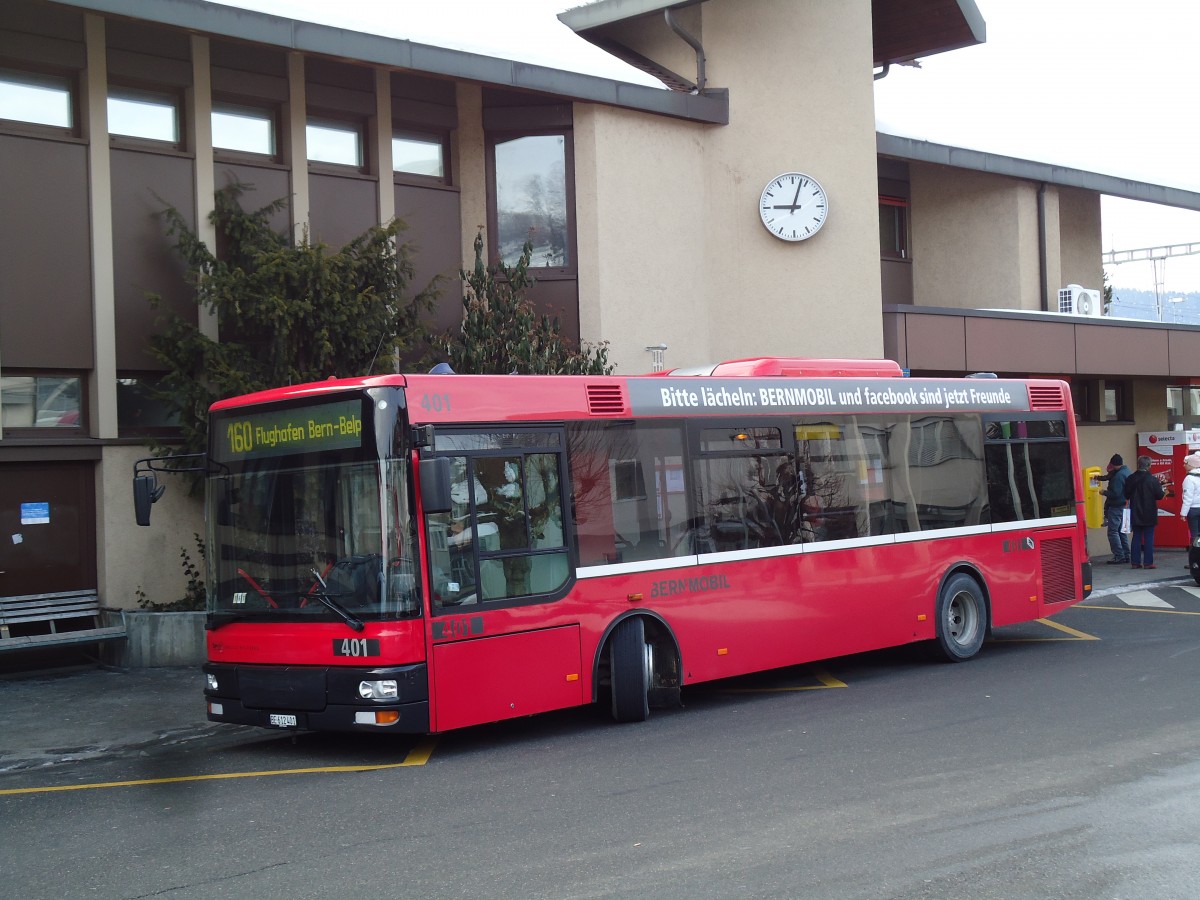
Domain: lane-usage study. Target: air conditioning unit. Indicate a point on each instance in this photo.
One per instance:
(1080, 301)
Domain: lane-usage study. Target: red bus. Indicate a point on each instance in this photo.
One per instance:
(418, 553)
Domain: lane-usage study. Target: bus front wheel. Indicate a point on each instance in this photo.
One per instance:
(631, 665)
(961, 618)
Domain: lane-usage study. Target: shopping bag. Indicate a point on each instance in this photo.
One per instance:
(1126, 527)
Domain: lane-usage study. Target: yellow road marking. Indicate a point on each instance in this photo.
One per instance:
(1141, 609)
(827, 681)
(418, 756)
(1075, 635)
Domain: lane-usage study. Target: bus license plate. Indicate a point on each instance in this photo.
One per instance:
(283, 721)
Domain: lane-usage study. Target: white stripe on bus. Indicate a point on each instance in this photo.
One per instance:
(680, 562)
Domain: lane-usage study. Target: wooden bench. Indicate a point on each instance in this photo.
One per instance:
(51, 620)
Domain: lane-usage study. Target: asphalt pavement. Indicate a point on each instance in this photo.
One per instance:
(56, 716)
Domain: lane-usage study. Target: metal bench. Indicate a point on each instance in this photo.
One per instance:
(51, 620)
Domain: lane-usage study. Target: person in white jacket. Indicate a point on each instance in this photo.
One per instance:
(1189, 508)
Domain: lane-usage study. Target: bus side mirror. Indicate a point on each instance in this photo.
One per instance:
(435, 485)
(146, 491)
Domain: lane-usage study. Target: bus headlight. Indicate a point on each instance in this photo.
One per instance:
(212, 680)
(378, 690)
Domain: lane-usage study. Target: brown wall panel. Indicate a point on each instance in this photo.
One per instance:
(45, 255)
(560, 299)
(1016, 346)
(935, 343)
(262, 185)
(1105, 350)
(340, 208)
(895, 338)
(432, 217)
(144, 257)
(1184, 353)
(897, 279)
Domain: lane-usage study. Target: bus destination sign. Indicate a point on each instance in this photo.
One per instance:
(301, 429)
(722, 396)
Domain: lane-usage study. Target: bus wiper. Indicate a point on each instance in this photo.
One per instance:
(346, 616)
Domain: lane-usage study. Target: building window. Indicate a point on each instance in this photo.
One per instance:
(36, 99)
(41, 401)
(1116, 402)
(417, 154)
(140, 411)
(146, 115)
(1102, 400)
(243, 129)
(893, 228)
(340, 143)
(1183, 407)
(531, 199)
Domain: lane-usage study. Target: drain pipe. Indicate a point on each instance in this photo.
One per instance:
(883, 73)
(693, 43)
(1042, 256)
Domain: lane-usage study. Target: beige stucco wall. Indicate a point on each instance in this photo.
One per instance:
(469, 165)
(129, 556)
(990, 220)
(671, 208)
(1080, 238)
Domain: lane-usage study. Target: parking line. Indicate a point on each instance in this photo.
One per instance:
(1140, 609)
(1075, 635)
(418, 756)
(827, 681)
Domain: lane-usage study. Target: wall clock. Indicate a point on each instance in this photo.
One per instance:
(793, 206)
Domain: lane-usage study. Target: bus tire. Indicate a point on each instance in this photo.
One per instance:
(630, 666)
(962, 619)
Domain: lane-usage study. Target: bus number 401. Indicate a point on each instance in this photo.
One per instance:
(355, 647)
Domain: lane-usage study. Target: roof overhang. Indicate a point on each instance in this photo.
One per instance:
(903, 30)
(961, 158)
(218, 20)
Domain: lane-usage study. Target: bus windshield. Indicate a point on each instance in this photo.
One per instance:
(325, 541)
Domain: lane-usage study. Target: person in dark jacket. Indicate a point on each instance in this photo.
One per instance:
(1114, 504)
(1143, 491)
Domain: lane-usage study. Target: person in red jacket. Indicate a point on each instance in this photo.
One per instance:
(1143, 491)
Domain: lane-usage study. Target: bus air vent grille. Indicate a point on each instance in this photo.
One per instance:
(606, 400)
(1058, 575)
(1045, 397)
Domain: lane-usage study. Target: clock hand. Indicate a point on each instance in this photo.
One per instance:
(796, 199)
(795, 204)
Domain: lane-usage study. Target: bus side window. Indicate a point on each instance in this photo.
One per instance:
(629, 494)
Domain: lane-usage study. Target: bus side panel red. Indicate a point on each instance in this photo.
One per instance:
(493, 678)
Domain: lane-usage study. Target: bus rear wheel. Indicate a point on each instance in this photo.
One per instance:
(961, 618)
(631, 666)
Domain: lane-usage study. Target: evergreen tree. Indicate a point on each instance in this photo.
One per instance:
(501, 333)
(285, 314)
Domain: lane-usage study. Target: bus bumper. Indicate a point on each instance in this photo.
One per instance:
(318, 698)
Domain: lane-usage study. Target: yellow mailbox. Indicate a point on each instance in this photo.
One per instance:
(1093, 502)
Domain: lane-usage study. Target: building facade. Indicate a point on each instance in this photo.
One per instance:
(644, 203)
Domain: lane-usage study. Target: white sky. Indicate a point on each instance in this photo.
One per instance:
(1098, 85)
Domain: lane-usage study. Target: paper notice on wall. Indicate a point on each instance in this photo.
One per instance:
(35, 513)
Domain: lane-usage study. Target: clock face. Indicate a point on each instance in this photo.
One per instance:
(793, 206)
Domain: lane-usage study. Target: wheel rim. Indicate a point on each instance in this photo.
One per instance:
(962, 618)
(648, 670)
